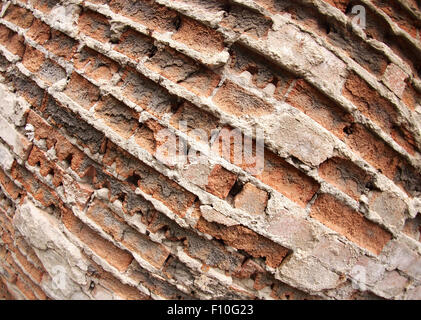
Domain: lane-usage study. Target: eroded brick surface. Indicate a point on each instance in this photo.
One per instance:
(294, 159)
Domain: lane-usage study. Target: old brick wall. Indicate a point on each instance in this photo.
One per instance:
(92, 206)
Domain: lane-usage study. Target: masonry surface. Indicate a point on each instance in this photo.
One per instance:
(91, 209)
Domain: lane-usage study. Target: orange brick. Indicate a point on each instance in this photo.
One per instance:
(378, 109)
(351, 224)
(113, 255)
(95, 65)
(82, 91)
(95, 25)
(184, 71)
(198, 36)
(235, 100)
(245, 239)
(220, 181)
(135, 45)
(12, 41)
(33, 59)
(346, 176)
(19, 16)
(288, 180)
(319, 108)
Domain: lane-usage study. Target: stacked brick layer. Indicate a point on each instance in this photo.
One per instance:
(89, 209)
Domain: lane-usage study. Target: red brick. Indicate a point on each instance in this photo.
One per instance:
(351, 224)
(154, 253)
(194, 118)
(184, 71)
(411, 97)
(95, 65)
(346, 176)
(19, 16)
(82, 91)
(95, 25)
(378, 109)
(235, 100)
(321, 109)
(149, 13)
(251, 199)
(33, 59)
(243, 20)
(145, 93)
(220, 181)
(114, 285)
(149, 181)
(198, 36)
(267, 167)
(12, 41)
(135, 45)
(113, 255)
(340, 4)
(117, 116)
(263, 72)
(44, 194)
(245, 239)
(44, 5)
(13, 190)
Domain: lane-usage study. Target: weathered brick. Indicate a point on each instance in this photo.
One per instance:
(45, 5)
(319, 108)
(244, 20)
(53, 40)
(95, 65)
(135, 45)
(245, 239)
(184, 71)
(288, 180)
(33, 59)
(351, 224)
(26, 87)
(389, 206)
(191, 119)
(251, 199)
(12, 189)
(220, 181)
(346, 176)
(264, 74)
(378, 109)
(115, 256)
(19, 16)
(82, 91)
(117, 116)
(12, 41)
(198, 36)
(95, 25)
(382, 157)
(155, 253)
(145, 93)
(233, 99)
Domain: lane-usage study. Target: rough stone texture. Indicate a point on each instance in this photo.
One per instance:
(121, 124)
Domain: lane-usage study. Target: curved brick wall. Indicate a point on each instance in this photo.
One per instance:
(95, 205)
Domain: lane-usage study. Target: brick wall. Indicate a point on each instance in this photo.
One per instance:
(120, 123)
